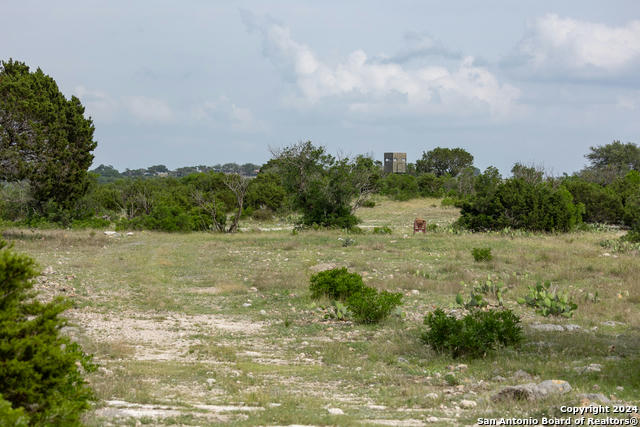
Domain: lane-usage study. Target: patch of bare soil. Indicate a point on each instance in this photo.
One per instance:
(116, 409)
(158, 338)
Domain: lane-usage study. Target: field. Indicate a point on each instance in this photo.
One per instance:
(203, 329)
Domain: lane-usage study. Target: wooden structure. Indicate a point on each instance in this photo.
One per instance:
(395, 162)
(419, 224)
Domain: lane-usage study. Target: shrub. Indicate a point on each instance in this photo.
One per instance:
(547, 301)
(371, 306)
(448, 201)
(474, 335)
(40, 370)
(12, 417)
(336, 284)
(368, 204)
(382, 230)
(262, 214)
(366, 304)
(482, 254)
(518, 204)
(602, 204)
(399, 186)
(633, 235)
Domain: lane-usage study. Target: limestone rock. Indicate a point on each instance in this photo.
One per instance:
(533, 391)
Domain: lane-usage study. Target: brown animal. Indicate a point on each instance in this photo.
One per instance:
(419, 224)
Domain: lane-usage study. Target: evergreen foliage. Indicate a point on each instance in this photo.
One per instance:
(41, 371)
(518, 204)
(44, 138)
(474, 335)
(444, 161)
(365, 303)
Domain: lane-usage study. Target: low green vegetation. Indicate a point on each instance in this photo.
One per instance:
(476, 334)
(41, 370)
(366, 304)
(481, 254)
(548, 300)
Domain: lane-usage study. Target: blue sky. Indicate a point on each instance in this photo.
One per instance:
(205, 82)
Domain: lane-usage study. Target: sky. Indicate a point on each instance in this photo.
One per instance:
(207, 82)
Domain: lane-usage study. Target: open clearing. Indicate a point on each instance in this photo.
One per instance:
(203, 329)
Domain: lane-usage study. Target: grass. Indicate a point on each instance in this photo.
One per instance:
(182, 320)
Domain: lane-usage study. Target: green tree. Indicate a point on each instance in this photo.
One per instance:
(531, 174)
(518, 204)
(325, 189)
(41, 371)
(106, 174)
(441, 161)
(625, 157)
(611, 161)
(44, 137)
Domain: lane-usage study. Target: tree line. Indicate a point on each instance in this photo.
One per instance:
(46, 147)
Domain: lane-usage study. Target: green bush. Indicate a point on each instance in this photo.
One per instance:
(366, 304)
(602, 204)
(336, 284)
(482, 254)
(382, 230)
(399, 186)
(371, 306)
(633, 235)
(12, 417)
(262, 214)
(41, 371)
(518, 204)
(474, 335)
(547, 301)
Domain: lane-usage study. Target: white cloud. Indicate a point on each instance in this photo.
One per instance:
(581, 48)
(148, 109)
(629, 101)
(98, 104)
(429, 88)
(223, 112)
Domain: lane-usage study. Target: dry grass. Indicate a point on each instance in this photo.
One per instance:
(203, 319)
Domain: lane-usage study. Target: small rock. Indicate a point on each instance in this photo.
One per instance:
(246, 304)
(468, 404)
(130, 233)
(620, 388)
(596, 387)
(461, 367)
(594, 367)
(335, 411)
(211, 381)
(606, 254)
(521, 375)
(253, 289)
(594, 397)
(612, 323)
(263, 312)
(415, 292)
(571, 327)
(546, 327)
(432, 395)
(533, 391)
(48, 270)
(498, 378)
(432, 419)
(402, 360)
(111, 233)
